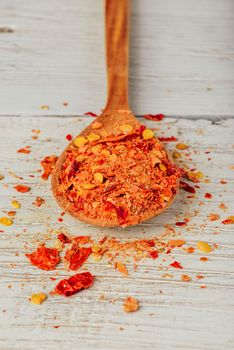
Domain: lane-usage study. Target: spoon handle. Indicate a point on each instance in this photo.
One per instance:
(116, 13)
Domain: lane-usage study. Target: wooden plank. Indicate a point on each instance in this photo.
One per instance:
(173, 314)
(181, 61)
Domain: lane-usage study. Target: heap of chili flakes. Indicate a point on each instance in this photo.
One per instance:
(118, 179)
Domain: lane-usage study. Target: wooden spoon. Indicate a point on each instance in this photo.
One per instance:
(116, 112)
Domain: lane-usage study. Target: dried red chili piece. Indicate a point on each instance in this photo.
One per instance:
(180, 223)
(69, 137)
(153, 254)
(91, 114)
(22, 188)
(76, 256)
(154, 117)
(24, 150)
(167, 139)
(208, 195)
(39, 201)
(186, 187)
(82, 239)
(63, 238)
(74, 284)
(48, 164)
(176, 264)
(44, 258)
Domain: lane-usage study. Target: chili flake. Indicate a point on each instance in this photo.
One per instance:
(167, 139)
(130, 304)
(48, 164)
(44, 258)
(181, 146)
(91, 114)
(186, 278)
(63, 238)
(69, 137)
(39, 201)
(74, 284)
(176, 265)
(154, 117)
(208, 195)
(76, 256)
(24, 150)
(228, 221)
(122, 268)
(186, 187)
(22, 188)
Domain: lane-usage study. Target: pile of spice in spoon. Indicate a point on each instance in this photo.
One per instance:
(118, 180)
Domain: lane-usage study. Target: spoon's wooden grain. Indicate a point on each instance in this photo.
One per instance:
(116, 112)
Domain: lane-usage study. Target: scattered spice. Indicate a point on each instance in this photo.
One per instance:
(15, 204)
(24, 150)
(186, 278)
(204, 258)
(48, 164)
(69, 137)
(228, 221)
(154, 117)
(186, 187)
(63, 238)
(38, 298)
(176, 265)
(74, 284)
(122, 268)
(44, 258)
(208, 195)
(91, 114)
(167, 139)
(204, 247)
(76, 256)
(181, 146)
(22, 188)
(213, 217)
(39, 201)
(5, 221)
(130, 304)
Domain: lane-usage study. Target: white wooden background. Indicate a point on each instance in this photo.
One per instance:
(182, 64)
(182, 57)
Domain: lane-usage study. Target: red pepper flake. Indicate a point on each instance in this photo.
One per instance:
(24, 150)
(203, 286)
(167, 139)
(22, 188)
(223, 182)
(204, 258)
(63, 238)
(199, 277)
(65, 103)
(53, 278)
(60, 219)
(228, 221)
(39, 201)
(74, 284)
(77, 256)
(153, 254)
(69, 137)
(48, 164)
(186, 187)
(176, 265)
(208, 195)
(44, 258)
(190, 250)
(180, 223)
(82, 239)
(91, 114)
(154, 117)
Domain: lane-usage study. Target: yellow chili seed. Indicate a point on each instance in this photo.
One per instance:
(105, 152)
(181, 146)
(6, 221)
(96, 248)
(80, 141)
(38, 298)
(96, 149)
(113, 157)
(126, 128)
(15, 204)
(98, 177)
(204, 247)
(88, 186)
(176, 155)
(148, 134)
(162, 167)
(93, 137)
(96, 125)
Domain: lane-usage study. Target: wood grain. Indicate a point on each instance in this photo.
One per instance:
(181, 57)
(173, 314)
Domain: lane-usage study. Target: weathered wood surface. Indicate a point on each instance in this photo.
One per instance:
(181, 63)
(173, 314)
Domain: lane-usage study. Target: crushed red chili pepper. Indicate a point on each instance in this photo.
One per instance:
(154, 117)
(167, 139)
(48, 164)
(69, 137)
(76, 256)
(118, 178)
(176, 265)
(24, 150)
(186, 187)
(21, 188)
(74, 284)
(44, 258)
(91, 114)
(63, 238)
